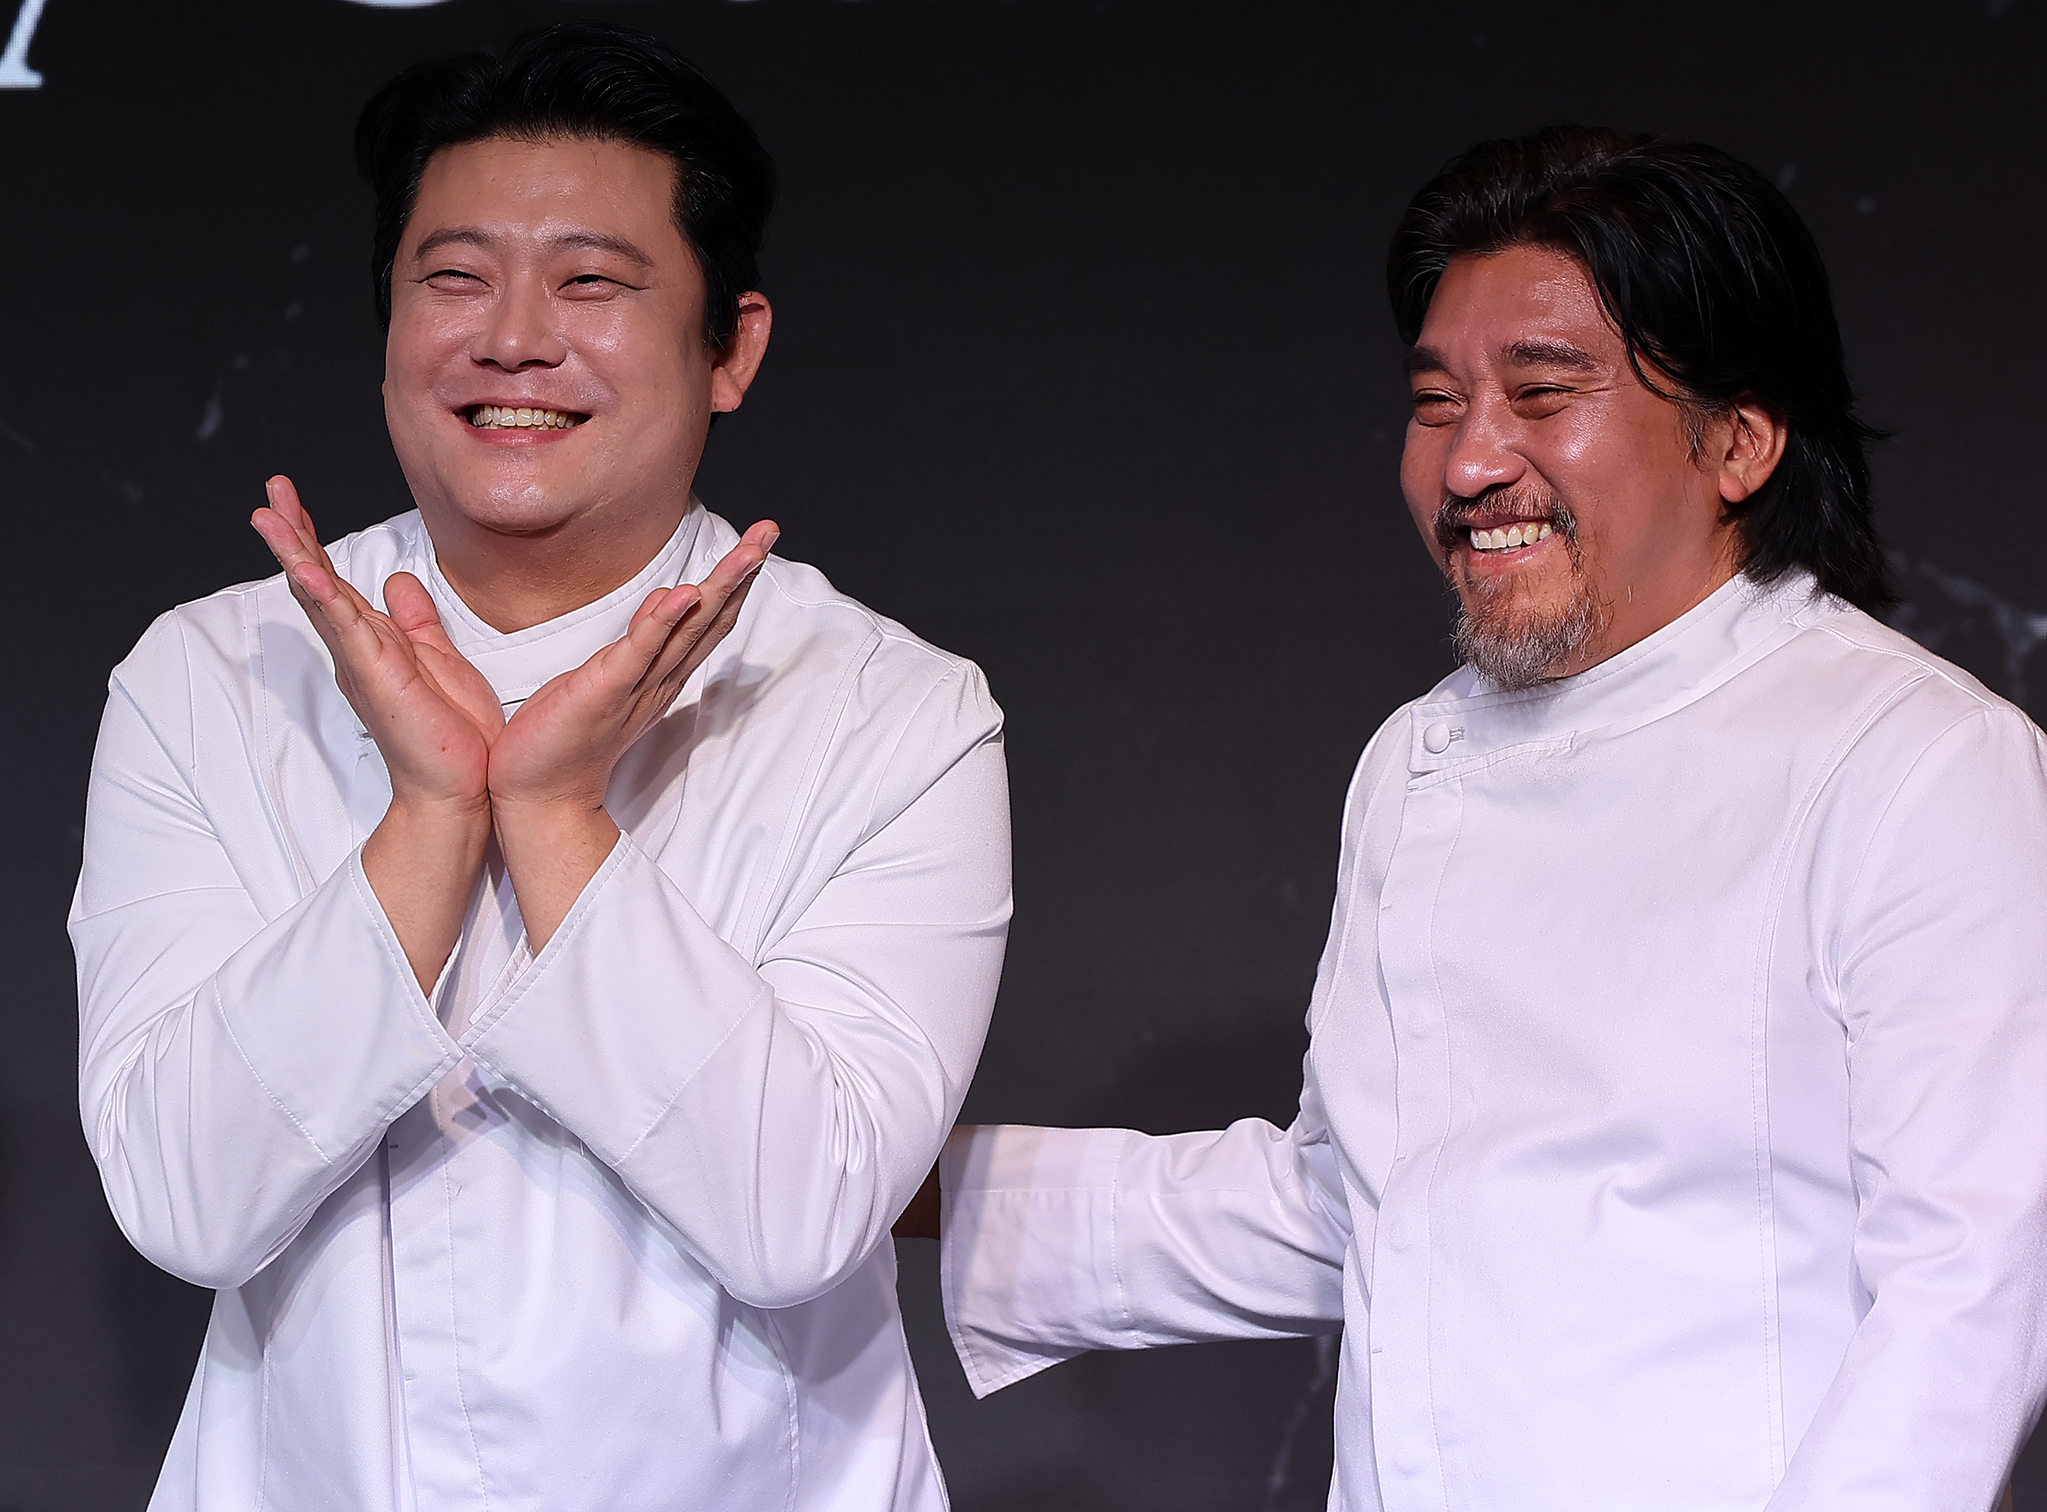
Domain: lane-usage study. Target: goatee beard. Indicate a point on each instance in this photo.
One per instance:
(1510, 643)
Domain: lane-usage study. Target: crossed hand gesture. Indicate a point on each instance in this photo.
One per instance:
(458, 767)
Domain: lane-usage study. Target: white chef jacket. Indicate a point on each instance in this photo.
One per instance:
(604, 1229)
(1674, 1129)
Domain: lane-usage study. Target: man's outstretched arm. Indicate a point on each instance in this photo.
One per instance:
(1058, 1241)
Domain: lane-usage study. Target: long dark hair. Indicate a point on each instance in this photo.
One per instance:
(1716, 286)
(579, 79)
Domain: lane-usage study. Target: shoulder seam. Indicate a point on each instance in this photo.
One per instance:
(1927, 667)
(877, 623)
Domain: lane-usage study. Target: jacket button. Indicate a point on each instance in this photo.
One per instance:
(1436, 738)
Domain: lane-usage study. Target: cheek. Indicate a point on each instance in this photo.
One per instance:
(651, 367)
(1576, 455)
(417, 353)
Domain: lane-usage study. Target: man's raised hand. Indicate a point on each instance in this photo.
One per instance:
(430, 712)
(432, 715)
(551, 765)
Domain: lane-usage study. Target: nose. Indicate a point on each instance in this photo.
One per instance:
(1482, 454)
(520, 330)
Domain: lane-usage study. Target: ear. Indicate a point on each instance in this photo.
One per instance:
(1745, 446)
(732, 370)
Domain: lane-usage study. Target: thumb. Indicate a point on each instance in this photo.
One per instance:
(411, 607)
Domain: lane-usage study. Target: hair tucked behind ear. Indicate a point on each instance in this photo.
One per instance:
(1714, 282)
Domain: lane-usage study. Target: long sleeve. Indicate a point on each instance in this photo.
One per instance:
(1058, 1241)
(778, 1108)
(233, 1069)
(1944, 985)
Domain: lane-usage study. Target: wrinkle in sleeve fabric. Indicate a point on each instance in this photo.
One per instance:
(1059, 1241)
(1944, 996)
(234, 1069)
(778, 1110)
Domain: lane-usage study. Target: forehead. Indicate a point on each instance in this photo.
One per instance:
(1489, 307)
(547, 186)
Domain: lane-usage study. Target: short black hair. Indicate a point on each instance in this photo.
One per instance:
(1713, 279)
(589, 80)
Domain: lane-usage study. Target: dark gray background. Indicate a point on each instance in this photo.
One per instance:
(1081, 368)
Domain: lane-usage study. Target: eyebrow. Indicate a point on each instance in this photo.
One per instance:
(1425, 360)
(572, 241)
(1551, 354)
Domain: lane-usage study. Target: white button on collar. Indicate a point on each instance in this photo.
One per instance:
(1436, 738)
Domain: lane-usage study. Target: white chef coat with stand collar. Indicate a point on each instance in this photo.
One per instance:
(607, 1229)
(1672, 1131)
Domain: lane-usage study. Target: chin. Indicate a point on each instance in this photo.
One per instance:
(530, 508)
(1518, 630)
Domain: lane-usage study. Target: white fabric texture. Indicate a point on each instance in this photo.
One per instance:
(606, 1229)
(1673, 1131)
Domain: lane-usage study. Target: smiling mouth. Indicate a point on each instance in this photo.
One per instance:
(506, 417)
(1525, 534)
(1503, 523)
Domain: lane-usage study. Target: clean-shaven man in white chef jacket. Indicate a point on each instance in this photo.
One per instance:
(1674, 1133)
(533, 1037)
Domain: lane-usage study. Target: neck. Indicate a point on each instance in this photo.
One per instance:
(1632, 612)
(515, 581)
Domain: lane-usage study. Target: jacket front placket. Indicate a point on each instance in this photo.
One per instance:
(1403, 1417)
(433, 1452)
(1452, 745)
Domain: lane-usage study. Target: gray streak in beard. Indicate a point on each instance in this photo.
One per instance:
(1518, 650)
(1513, 652)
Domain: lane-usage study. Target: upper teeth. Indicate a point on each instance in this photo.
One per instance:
(1513, 535)
(503, 416)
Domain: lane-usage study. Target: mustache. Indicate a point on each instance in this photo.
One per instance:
(1454, 515)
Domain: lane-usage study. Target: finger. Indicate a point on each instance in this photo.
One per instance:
(349, 637)
(284, 500)
(725, 589)
(742, 561)
(692, 643)
(666, 605)
(311, 577)
(655, 625)
(283, 544)
(311, 582)
(335, 597)
(283, 495)
(281, 536)
(670, 623)
(330, 601)
(453, 676)
(722, 592)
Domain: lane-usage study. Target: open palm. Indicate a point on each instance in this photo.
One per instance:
(431, 713)
(562, 744)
